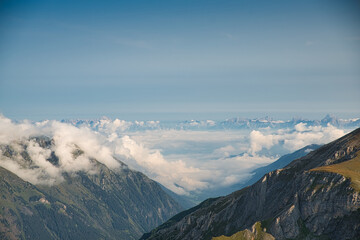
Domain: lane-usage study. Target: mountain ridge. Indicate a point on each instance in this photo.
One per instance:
(106, 204)
(291, 203)
(279, 163)
(105, 124)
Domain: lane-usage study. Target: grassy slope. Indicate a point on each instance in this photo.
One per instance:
(248, 235)
(349, 169)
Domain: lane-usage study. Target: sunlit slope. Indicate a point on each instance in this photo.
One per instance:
(257, 233)
(349, 169)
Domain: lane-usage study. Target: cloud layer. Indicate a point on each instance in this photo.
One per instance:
(185, 161)
(66, 138)
(293, 139)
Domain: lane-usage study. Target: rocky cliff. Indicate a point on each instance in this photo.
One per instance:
(304, 200)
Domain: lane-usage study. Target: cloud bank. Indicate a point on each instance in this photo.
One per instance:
(19, 138)
(185, 161)
(294, 139)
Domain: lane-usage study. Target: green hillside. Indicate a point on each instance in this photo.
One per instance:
(349, 169)
(257, 233)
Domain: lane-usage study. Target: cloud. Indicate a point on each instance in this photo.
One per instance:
(185, 161)
(94, 145)
(294, 139)
(225, 151)
(176, 175)
(183, 178)
(66, 138)
(258, 141)
(188, 161)
(234, 169)
(32, 175)
(10, 132)
(301, 127)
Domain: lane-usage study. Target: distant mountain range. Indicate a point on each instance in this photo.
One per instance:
(313, 197)
(107, 204)
(233, 123)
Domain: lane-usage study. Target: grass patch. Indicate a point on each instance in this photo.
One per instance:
(257, 233)
(242, 235)
(349, 169)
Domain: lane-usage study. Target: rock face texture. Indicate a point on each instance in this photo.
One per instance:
(108, 204)
(290, 203)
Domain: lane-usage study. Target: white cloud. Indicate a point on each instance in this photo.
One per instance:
(66, 138)
(258, 141)
(10, 132)
(301, 127)
(294, 140)
(39, 156)
(225, 151)
(94, 145)
(185, 161)
(175, 175)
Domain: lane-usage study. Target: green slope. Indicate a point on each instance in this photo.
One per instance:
(349, 169)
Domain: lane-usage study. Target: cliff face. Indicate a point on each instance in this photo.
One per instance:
(106, 204)
(290, 203)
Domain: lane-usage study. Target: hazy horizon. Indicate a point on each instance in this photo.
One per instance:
(185, 116)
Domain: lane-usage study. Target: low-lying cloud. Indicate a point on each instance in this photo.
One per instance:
(293, 139)
(66, 139)
(185, 161)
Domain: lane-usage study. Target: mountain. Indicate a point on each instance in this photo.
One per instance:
(106, 204)
(280, 163)
(267, 122)
(184, 201)
(107, 125)
(314, 197)
(260, 172)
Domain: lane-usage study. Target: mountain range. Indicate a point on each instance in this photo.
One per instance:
(312, 193)
(313, 197)
(233, 123)
(107, 204)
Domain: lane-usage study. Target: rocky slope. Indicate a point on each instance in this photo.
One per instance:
(300, 201)
(106, 204)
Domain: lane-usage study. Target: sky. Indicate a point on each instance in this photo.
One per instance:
(179, 59)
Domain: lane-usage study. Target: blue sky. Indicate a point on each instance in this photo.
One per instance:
(179, 59)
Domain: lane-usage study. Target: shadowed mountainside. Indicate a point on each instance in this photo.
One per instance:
(108, 204)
